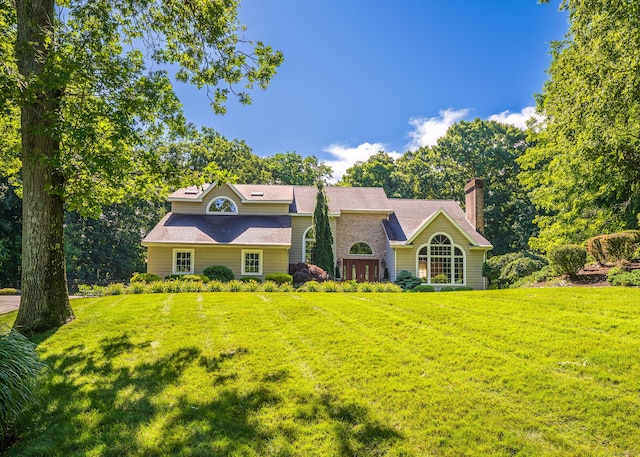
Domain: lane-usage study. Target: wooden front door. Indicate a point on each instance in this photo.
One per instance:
(362, 270)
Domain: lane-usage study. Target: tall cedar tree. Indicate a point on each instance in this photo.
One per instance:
(322, 254)
(89, 104)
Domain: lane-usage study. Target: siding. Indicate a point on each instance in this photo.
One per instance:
(406, 258)
(225, 191)
(160, 259)
(299, 225)
(390, 258)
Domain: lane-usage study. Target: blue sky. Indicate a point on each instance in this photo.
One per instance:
(361, 76)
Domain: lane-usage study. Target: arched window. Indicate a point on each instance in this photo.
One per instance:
(222, 205)
(440, 262)
(308, 242)
(361, 249)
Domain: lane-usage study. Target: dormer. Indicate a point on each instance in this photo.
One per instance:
(232, 199)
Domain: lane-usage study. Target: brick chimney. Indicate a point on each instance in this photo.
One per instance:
(474, 202)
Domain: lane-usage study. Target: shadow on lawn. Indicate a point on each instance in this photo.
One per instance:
(100, 404)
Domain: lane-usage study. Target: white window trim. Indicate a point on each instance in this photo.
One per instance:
(453, 250)
(222, 213)
(175, 260)
(243, 262)
(304, 243)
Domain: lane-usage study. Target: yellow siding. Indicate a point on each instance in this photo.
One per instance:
(225, 191)
(406, 259)
(274, 260)
(299, 225)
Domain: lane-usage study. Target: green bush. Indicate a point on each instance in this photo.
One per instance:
(9, 291)
(423, 288)
(187, 277)
(365, 287)
(235, 286)
(270, 286)
(145, 278)
(311, 286)
(440, 279)
(614, 247)
(504, 270)
(407, 280)
(568, 259)
(350, 285)
(331, 286)
(215, 286)
(219, 273)
(20, 369)
(455, 289)
(137, 287)
(279, 278)
(619, 277)
(114, 289)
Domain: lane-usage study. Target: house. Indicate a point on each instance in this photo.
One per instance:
(260, 229)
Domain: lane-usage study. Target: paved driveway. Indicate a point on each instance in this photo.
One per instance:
(9, 303)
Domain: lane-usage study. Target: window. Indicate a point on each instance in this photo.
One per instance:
(251, 262)
(222, 205)
(440, 262)
(361, 248)
(308, 242)
(183, 262)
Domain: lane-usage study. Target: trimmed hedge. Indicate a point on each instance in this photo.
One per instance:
(423, 288)
(614, 247)
(145, 278)
(279, 278)
(219, 273)
(568, 259)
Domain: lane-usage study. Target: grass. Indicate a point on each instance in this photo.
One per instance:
(527, 372)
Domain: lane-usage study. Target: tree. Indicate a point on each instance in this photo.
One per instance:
(584, 172)
(88, 102)
(10, 240)
(322, 254)
(293, 169)
(483, 149)
(379, 170)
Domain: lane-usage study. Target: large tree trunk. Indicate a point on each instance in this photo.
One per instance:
(45, 300)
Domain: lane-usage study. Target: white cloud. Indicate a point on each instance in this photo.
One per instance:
(347, 156)
(518, 119)
(427, 130)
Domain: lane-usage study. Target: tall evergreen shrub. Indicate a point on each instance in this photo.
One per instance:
(322, 254)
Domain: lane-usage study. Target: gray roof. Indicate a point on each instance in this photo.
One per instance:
(265, 192)
(215, 229)
(341, 199)
(410, 216)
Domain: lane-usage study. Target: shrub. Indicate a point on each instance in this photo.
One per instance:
(330, 286)
(568, 259)
(137, 287)
(251, 286)
(215, 286)
(270, 286)
(250, 279)
(350, 285)
(455, 289)
(520, 268)
(620, 277)
(8, 291)
(386, 287)
(423, 288)
(20, 368)
(145, 278)
(279, 278)
(407, 280)
(114, 289)
(219, 273)
(365, 287)
(614, 247)
(286, 287)
(311, 286)
(156, 287)
(235, 286)
(440, 279)
(504, 270)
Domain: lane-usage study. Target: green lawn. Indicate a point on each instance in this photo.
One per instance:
(553, 372)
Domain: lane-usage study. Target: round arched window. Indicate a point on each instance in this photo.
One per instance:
(361, 249)
(222, 205)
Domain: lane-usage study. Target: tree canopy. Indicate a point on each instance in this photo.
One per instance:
(88, 79)
(584, 172)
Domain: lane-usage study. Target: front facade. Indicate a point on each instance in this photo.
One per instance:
(259, 229)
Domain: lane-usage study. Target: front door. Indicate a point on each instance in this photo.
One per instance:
(362, 270)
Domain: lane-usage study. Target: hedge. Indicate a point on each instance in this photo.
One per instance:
(614, 247)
